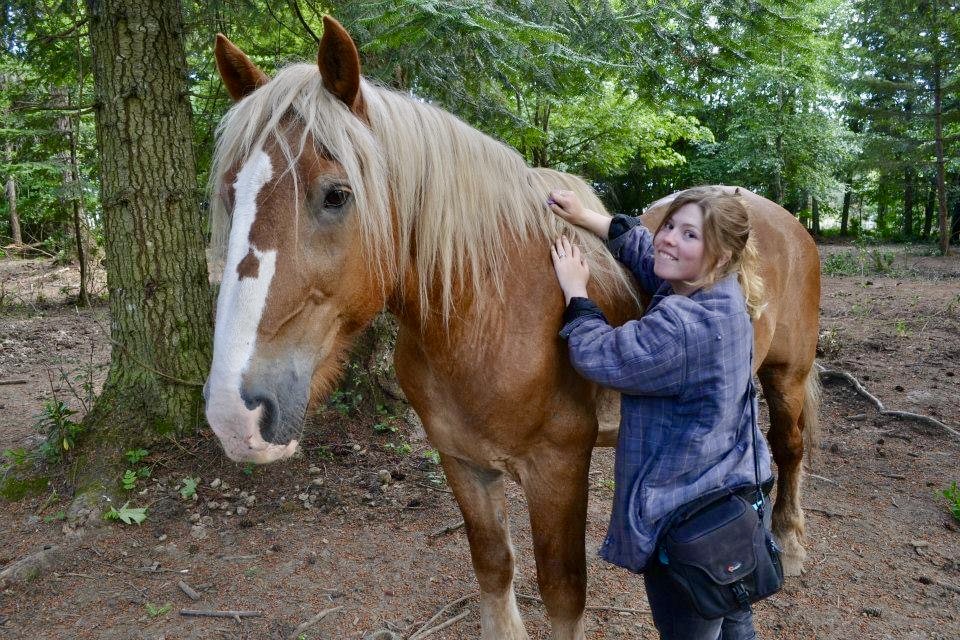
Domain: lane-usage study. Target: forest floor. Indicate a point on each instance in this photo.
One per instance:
(357, 523)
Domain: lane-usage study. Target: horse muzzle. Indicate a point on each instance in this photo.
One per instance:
(254, 422)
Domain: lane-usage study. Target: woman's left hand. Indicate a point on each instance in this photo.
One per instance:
(571, 267)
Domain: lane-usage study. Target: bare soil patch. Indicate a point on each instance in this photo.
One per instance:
(357, 521)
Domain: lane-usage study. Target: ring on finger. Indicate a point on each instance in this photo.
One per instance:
(561, 255)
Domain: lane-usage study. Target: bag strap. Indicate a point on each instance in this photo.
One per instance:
(752, 399)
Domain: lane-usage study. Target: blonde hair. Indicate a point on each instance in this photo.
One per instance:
(726, 232)
(460, 197)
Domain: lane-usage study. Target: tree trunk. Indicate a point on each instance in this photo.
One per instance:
(928, 210)
(70, 196)
(881, 207)
(11, 191)
(845, 212)
(908, 176)
(160, 299)
(941, 168)
(815, 216)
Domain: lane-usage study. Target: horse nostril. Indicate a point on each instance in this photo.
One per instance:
(269, 417)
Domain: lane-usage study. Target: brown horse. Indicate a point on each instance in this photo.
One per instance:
(345, 198)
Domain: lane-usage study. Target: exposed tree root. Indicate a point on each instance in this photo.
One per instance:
(826, 374)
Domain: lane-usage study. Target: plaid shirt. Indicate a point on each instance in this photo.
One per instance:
(684, 373)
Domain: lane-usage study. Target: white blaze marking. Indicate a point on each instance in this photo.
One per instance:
(239, 310)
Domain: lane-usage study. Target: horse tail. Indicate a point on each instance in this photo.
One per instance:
(810, 414)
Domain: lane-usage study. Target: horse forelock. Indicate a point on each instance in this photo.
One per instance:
(459, 197)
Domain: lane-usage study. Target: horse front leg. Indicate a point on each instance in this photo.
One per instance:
(480, 494)
(555, 483)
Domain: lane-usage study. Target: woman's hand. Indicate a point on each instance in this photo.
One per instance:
(571, 267)
(567, 206)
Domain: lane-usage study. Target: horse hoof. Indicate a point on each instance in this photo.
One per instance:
(792, 565)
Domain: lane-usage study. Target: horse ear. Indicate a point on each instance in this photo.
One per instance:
(339, 62)
(240, 76)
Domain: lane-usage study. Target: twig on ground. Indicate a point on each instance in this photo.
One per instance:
(526, 596)
(882, 410)
(436, 616)
(450, 528)
(893, 476)
(187, 589)
(207, 613)
(434, 488)
(312, 621)
(825, 479)
(4, 383)
(939, 583)
(443, 625)
(827, 512)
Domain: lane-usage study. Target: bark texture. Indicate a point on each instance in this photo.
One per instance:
(160, 300)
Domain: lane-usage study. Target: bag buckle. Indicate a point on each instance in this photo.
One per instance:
(742, 595)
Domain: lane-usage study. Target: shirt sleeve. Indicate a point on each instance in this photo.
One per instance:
(632, 244)
(641, 357)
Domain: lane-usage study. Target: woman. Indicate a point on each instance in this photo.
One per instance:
(684, 373)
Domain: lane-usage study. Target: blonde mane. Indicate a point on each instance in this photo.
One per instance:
(462, 197)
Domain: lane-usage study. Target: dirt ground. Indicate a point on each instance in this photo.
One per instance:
(358, 522)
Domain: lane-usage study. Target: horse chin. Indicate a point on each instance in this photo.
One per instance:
(255, 449)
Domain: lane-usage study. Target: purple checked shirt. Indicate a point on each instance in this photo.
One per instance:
(683, 371)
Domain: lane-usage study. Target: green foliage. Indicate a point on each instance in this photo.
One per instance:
(56, 517)
(188, 487)
(126, 514)
(136, 455)
(248, 469)
(129, 480)
(952, 494)
(155, 611)
(61, 432)
(401, 448)
(432, 456)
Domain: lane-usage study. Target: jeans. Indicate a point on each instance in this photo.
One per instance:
(676, 619)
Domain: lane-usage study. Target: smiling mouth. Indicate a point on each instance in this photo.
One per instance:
(666, 255)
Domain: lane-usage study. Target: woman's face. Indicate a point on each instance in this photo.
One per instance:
(678, 248)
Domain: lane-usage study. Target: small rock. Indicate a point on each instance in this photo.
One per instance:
(356, 447)
(317, 482)
(228, 513)
(304, 496)
(162, 537)
(384, 476)
(224, 486)
(212, 504)
(244, 495)
(224, 505)
(198, 532)
(241, 511)
(382, 634)
(874, 612)
(206, 520)
(315, 470)
(194, 517)
(216, 482)
(251, 500)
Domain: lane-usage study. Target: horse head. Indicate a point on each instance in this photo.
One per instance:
(296, 284)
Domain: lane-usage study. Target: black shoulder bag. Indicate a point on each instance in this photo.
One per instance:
(718, 550)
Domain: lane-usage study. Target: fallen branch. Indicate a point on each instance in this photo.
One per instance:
(457, 618)
(825, 479)
(416, 634)
(207, 613)
(4, 383)
(450, 528)
(525, 596)
(882, 410)
(187, 589)
(312, 621)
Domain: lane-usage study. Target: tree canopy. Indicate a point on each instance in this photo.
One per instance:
(822, 105)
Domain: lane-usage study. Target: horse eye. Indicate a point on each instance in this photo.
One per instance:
(336, 198)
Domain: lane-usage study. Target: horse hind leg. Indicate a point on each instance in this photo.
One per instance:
(793, 401)
(480, 494)
(555, 484)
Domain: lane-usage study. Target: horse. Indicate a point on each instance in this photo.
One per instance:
(334, 198)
